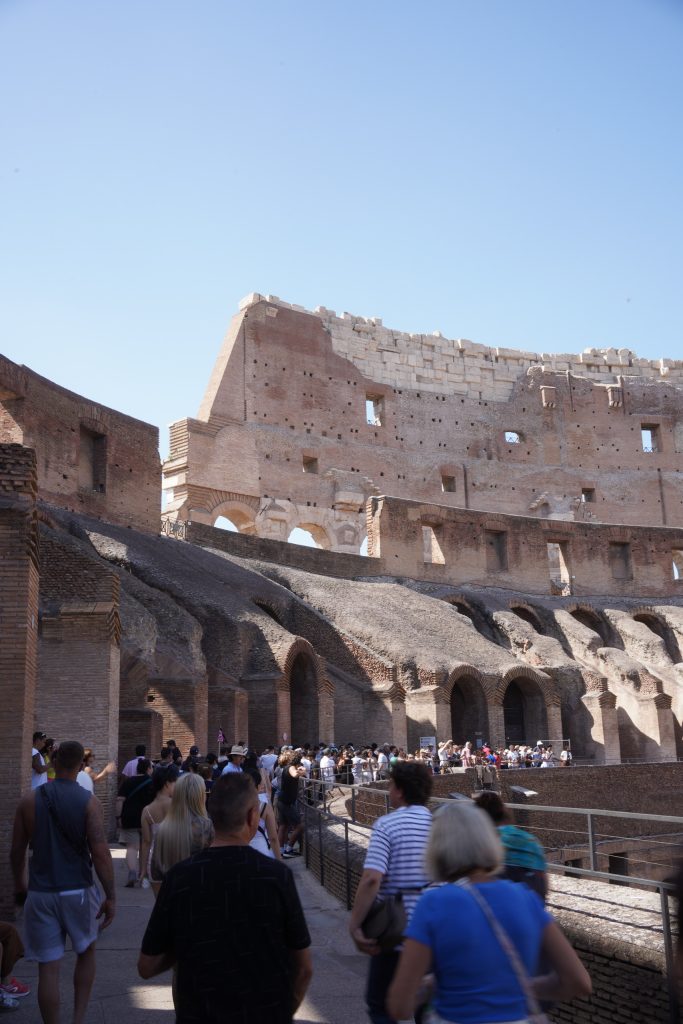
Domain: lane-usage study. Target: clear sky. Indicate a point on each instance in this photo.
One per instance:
(503, 170)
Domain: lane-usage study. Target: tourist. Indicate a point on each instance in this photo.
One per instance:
(186, 827)
(250, 962)
(134, 794)
(265, 838)
(383, 762)
(475, 981)
(327, 769)
(547, 757)
(130, 768)
(566, 758)
(163, 784)
(64, 825)
(268, 760)
(11, 950)
(191, 762)
(524, 856)
(48, 757)
(466, 755)
(289, 818)
(235, 759)
(38, 766)
(394, 863)
(87, 777)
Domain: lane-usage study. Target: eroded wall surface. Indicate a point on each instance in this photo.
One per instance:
(90, 459)
(308, 414)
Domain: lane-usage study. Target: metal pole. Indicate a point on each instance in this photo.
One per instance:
(320, 848)
(592, 844)
(353, 805)
(347, 865)
(308, 838)
(671, 979)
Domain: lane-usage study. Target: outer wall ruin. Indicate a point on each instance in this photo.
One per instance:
(307, 415)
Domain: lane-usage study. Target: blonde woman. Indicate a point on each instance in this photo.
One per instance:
(186, 829)
(163, 784)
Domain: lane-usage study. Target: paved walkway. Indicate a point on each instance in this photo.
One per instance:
(121, 997)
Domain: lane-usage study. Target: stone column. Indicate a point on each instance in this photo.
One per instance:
(605, 730)
(496, 724)
(326, 711)
(554, 715)
(19, 577)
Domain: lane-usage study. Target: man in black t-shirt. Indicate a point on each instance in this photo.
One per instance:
(231, 921)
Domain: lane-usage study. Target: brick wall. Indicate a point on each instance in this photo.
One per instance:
(89, 458)
(19, 578)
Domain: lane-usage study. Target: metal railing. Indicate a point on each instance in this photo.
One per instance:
(174, 528)
(317, 797)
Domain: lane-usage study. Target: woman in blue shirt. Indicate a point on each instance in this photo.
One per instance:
(450, 935)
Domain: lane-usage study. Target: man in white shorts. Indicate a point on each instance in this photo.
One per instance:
(64, 824)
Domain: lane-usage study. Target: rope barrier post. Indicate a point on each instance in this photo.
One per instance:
(592, 843)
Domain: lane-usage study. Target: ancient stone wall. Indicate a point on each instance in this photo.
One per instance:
(90, 459)
(19, 574)
(306, 415)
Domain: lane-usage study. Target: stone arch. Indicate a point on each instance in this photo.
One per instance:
(523, 697)
(468, 705)
(317, 532)
(592, 619)
(528, 614)
(472, 611)
(239, 513)
(304, 678)
(271, 609)
(656, 624)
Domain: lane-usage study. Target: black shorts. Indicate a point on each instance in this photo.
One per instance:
(288, 813)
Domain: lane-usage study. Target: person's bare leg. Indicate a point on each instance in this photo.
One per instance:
(132, 852)
(48, 991)
(84, 975)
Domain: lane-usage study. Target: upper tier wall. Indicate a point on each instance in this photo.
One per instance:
(90, 459)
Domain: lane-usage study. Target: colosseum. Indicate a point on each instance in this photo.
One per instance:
(520, 517)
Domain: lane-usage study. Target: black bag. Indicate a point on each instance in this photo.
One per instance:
(386, 922)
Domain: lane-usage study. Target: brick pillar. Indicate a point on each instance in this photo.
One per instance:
(399, 720)
(554, 714)
(19, 577)
(605, 730)
(325, 712)
(284, 713)
(136, 726)
(665, 727)
(496, 724)
(79, 668)
(183, 706)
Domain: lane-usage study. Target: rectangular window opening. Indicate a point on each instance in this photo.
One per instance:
(587, 494)
(310, 464)
(618, 865)
(92, 461)
(620, 561)
(677, 563)
(650, 437)
(496, 550)
(513, 437)
(431, 546)
(447, 484)
(374, 410)
(558, 568)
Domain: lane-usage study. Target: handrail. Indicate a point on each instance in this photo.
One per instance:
(313, 790)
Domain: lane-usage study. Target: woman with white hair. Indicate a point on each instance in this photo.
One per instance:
(488, 977)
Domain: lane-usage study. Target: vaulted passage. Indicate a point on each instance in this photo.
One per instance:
(469, 713)
(304, 701)
(524, 712)
(655, 624)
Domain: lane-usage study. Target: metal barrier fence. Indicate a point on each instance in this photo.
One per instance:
(316, 799)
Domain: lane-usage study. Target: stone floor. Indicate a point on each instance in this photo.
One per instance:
(121, 997)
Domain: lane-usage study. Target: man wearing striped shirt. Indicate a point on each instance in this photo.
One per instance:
(394, 863)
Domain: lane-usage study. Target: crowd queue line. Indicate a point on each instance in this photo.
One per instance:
(208, 834)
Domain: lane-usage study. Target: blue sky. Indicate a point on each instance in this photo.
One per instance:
(508, 172)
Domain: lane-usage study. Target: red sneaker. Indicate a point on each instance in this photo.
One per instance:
(15, 988)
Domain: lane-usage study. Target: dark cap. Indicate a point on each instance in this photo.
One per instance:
(194, 751)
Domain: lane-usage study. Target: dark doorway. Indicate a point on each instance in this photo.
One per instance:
(513, 715)
(469, 713)
(303, 701)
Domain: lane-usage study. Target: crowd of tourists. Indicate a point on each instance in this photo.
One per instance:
(209, 834)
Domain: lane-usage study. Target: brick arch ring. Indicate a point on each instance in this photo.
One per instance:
(545, 683)
(302, 646)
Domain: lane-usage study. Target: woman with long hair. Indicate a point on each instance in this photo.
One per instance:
(492, 975)
(164, 779)
(186, 829)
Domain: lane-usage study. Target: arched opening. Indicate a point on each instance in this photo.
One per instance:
(593, 621)
(223, 523)
(524, 713)
(525, 613)
(269, 611)
(469, 712)
(655, 624)
(230, 516)
(303, 693)
(476, 616)
(309, 535)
